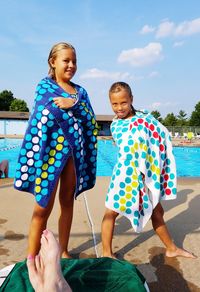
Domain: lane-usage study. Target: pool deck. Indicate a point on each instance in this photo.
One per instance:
(145, 250)
(181, 142)
(11, 136)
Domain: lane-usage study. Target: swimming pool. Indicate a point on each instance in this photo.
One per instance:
(187, 158)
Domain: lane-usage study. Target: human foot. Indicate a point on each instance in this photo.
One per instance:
(50, 255)
(109, 255)
(44, 270)
(179, 252)
(65, 255)
(35, 272)
(50, 249)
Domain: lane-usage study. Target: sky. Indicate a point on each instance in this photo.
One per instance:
(152, 45)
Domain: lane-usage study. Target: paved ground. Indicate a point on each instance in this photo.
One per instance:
(145, 250)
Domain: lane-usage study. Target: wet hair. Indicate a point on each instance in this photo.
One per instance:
(119, 86)
(53, 54)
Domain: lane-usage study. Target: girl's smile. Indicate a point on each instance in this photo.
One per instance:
(121, 104)
(64, 65)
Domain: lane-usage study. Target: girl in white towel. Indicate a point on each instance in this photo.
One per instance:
(145, 172)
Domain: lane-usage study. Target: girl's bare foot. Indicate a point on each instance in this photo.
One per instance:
(109, 255)
(179, 252)
(65, 255)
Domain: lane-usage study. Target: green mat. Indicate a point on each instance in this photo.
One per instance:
(91, 274)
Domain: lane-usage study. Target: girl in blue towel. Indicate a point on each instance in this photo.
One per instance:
(59, 147)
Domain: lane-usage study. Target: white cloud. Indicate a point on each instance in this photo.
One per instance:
(155, 105)
(139, 57)
(165, 29)
(178, 44)
(147, 29)
(188, 28)
(158, 105)
(95, 73)
(185, 28)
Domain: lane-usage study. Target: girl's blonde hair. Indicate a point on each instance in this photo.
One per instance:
(53, 54)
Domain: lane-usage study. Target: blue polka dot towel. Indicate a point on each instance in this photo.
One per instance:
(52, 136)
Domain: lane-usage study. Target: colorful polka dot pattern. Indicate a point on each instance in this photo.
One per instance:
(52, 136)
(145, 171)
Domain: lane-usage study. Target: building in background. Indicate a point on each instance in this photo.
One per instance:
(15, 123)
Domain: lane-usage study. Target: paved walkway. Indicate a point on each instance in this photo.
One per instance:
(145, 249)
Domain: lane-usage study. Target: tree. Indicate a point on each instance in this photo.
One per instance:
(157, 115)
(182, 118)
(6, 97)
(18, 105)
(195, 116)
(170, 120)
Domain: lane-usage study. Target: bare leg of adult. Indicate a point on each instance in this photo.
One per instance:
(66, 197)
(45, 271)
(107, 229)
(38, 224)
(162, 231)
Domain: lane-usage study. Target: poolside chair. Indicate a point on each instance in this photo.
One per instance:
(190, 136)
(184, 135)
(89, 274)
(176, 135)
(198, 135)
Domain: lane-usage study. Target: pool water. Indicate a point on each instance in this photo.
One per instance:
(187, 158)
(187, 161)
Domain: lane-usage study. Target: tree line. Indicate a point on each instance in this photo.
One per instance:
(181, 119)
(9, 103)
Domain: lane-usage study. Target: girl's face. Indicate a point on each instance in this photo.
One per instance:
(64, 65)
(121, 104)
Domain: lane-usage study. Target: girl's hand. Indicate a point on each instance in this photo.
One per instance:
(64, 103)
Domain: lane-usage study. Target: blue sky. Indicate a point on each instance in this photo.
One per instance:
(152, 45)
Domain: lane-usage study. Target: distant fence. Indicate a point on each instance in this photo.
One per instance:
(184, 129)
(18, 127)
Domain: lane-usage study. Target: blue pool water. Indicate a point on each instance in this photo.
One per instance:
(187, 158)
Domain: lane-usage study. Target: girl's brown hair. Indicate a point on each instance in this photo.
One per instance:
(53, 54)
(118, 86)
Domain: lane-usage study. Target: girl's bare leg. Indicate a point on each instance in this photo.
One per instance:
(161, 229)
(44, 270)
(107, 229)
(38, 224)
(66, 197)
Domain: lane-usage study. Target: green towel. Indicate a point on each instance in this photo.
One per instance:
(91, 274)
